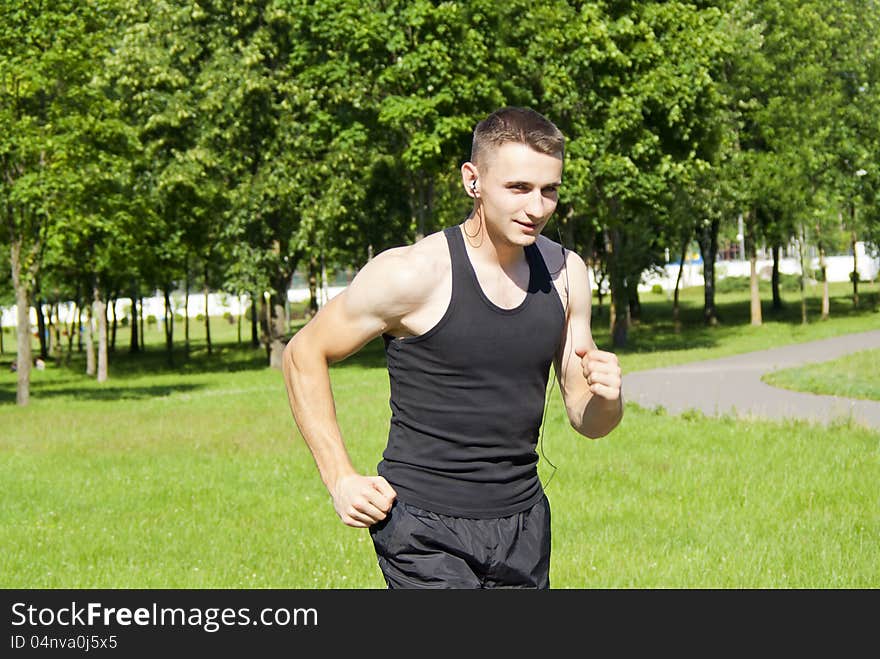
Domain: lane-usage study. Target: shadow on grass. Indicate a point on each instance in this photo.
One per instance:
(224, 358)
(94, 392)
(655, 330)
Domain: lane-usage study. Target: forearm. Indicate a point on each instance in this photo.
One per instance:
(307, 377)
(594, 416)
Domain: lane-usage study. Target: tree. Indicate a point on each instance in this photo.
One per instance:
(633, 87)
(47, 56)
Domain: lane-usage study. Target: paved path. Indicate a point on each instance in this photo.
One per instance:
(733, 384)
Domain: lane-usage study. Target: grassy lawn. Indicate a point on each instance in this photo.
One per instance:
(194, 476)
(853, 376)
(654, 344)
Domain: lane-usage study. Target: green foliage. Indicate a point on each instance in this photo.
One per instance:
(790, 283)
(146, 144)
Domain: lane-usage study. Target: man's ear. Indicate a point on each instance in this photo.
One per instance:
(470, 176)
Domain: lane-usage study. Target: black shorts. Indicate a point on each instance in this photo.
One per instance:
(421, 549)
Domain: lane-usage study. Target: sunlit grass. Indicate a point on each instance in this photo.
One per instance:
(194, 476)
(852, 376)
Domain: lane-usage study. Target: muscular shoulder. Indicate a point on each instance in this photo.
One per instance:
(400, 279)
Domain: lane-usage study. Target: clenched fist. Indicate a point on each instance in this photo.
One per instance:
(361, 501)
(602, 373)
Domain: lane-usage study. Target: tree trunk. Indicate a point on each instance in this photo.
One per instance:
(89, 341)
(423, 198)
(169, 326)
(599, 276)
(79, 329)
(239, 320)
(207, 317)
(23, 360)
(143, 335)
(186, 310)
(277, 324)
(754, 291)
(265, 313)
(59, 348)
(72, 328)
(55, 313)
(774, 283)
(101, 316)
(134, 344)
(313, 287)
(49, 329)
(41, 328)
(855, 270)
(619, 293)
(708, 240)
(802, 256)
(324, 295)
(826, 300)
(255, 320)
(635, 306)
(113, 329)
(676, 319)
(23, 328)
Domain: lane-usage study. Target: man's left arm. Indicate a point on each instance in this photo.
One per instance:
(589, 378)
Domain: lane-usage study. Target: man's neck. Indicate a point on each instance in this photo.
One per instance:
(491, 248)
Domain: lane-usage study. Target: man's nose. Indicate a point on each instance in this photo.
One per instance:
(536, 208)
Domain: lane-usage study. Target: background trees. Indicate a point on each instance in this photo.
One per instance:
(226, 146)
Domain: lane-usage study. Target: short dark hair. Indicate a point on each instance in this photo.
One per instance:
(520, 125)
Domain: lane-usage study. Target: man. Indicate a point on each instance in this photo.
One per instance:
(472, 316)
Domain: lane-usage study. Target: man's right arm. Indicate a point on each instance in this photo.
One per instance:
(380, 294)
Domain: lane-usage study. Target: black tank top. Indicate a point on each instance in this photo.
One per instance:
(467, 397)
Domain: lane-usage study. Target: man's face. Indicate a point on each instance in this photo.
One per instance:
(519, 192)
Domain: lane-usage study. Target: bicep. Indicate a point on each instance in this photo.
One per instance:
(339, 329)
(360, 313)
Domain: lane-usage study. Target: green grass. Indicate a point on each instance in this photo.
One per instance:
(653, 342)
(194, 476)
(852, 376)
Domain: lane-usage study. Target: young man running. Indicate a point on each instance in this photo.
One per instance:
(472, 317)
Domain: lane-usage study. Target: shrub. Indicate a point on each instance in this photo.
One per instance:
(790, 282)
(657, 289)
(731, 284)
(151, 319)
